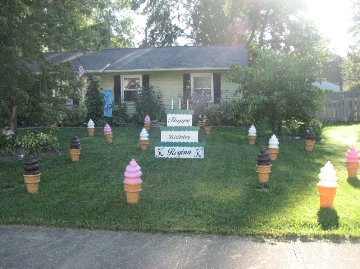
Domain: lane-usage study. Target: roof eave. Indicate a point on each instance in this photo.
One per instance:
(159, 70)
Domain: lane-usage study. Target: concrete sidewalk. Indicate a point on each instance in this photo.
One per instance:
(40, 247)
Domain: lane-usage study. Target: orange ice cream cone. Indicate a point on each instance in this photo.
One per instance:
(263, 172)
(352, 168)
(144, 144)
(132, 193)
(32, 183)
(252, 140)
(91, 131)
(75, 154)
(327, 195)
(273, 153)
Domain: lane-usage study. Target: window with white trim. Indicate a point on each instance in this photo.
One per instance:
(130, 86)
(202, 87)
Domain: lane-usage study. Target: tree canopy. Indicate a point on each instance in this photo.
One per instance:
(277, 88)
(351, 65)
(30, 28)
(276, 25)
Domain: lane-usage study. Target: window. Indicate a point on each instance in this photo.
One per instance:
(131, 84)
(202, 87)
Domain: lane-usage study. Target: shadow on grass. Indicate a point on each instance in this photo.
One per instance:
(328, 218)
(354, 181)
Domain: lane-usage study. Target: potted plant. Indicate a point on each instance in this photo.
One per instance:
(207, 126)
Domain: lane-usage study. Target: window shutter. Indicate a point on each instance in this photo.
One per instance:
(145, 81)
(117, 89)
(217, 87)
(186, 87)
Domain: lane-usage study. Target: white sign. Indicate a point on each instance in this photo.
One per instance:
(179, 152)
(179, 136)
(179, 120)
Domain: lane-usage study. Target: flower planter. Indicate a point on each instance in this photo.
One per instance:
(309, 145)
(207, 130)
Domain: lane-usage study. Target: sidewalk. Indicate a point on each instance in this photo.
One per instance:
(39, 247)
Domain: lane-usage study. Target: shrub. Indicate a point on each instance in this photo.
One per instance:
(74, 116)
(200, 104)
(7, 144)
(278, 87)
(227, 113)
(34, 141)
(94, 100)
(149, 101)
(316, 125)
(298, 128)
(292, 127)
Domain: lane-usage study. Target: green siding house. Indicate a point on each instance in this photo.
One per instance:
(176, 71)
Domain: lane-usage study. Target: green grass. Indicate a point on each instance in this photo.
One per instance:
(213, 195)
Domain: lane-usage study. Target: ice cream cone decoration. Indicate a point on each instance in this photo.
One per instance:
(273, 147)
(252, 135)
(207, 126)
(147, 122)
(75, 149)
(310, 140)
(132, 182)
(144, 139)
(327, 185)
(263, 166)
(352, 162)
(108, 133)
(31, 175)
(91, 128)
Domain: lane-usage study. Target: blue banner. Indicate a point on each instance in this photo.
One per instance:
(107, 94)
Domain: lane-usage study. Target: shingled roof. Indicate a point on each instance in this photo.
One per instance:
(156, 59)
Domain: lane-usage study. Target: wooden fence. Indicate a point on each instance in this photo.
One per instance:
(341, 106)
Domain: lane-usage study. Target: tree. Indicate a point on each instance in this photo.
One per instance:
(165, 21)
(210, 23)
(351, 65)
(94, 100)
(275, 25)
(149, 101)
(278, 87)
(29, 28)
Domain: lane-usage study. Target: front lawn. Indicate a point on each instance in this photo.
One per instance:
(216, 195)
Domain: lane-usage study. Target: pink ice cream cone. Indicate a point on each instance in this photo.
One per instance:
(108, 133)
(132, 182)
(147, 122)
(352, 161)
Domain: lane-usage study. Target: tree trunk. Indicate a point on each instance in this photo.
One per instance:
(12, 114)
(13, 118)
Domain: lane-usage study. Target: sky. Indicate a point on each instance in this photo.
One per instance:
(333, 19)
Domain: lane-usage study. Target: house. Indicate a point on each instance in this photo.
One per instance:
(328, 86)
(333, 80)
(177, 71)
